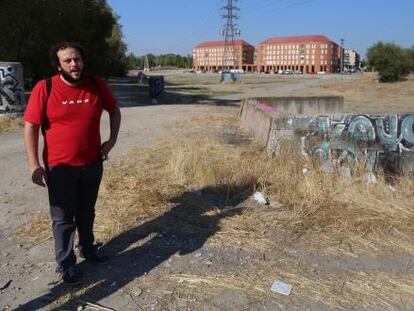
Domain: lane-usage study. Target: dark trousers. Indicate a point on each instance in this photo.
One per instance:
(72, 196)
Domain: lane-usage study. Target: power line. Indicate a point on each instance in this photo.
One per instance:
(196, 30)
(262, 4)
(285, 5)
(295, 4)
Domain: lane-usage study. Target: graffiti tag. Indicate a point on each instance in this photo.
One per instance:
(347, 138)
(11, 89)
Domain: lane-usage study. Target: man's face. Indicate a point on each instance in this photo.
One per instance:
(70, 65)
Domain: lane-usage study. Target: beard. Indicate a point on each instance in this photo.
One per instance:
(66, 75)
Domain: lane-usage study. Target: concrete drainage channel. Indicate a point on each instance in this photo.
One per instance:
(317, 126)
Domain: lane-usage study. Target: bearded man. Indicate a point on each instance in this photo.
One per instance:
(67, 108)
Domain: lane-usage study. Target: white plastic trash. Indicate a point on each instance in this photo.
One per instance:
(281, 288)
(391, 188)
(370, 178)
(260, 197)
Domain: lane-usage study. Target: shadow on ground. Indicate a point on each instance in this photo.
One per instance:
(130, 93)
(183, 229)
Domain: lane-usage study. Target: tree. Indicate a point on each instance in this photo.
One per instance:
(30, 28)
(410, 56)
(163, 60)
(390, 60)
(115, 54)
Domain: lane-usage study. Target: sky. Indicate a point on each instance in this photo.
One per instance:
(176, 26)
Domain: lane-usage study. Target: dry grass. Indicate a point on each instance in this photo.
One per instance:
(318, 204)
(142, 185)
(37, 229)
(135, 189)
(320, 212)
(9, 124)
(344, 290)
(373, 291)
(363, 93)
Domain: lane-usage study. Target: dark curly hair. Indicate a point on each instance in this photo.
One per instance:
(54, 60)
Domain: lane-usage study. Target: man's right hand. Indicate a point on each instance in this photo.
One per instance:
(39, 176)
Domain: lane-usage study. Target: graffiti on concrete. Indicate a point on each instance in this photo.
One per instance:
(379, 139)
(11, 89)
(316, 126)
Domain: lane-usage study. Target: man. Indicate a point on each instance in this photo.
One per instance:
(68, 108)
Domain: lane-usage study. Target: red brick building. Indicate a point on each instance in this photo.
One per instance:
(208, 56)
(307, 54)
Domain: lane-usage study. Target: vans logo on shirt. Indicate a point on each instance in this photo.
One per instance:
(78, 101)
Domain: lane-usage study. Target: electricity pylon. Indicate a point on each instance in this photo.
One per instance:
(230, 32)
(146, 63)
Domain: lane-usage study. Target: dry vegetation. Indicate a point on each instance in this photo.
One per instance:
(363, 93)
(9, 124)
(319, 212)
(314, 213)
(324, 206)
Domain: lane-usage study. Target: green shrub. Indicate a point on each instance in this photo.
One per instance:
(390, 60)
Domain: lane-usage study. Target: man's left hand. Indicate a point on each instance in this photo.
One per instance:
(106, 148)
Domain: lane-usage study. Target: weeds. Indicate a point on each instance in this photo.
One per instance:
(314, 211)
(8, 124)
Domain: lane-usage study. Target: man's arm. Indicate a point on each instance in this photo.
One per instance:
(115, 123)
(31, 141)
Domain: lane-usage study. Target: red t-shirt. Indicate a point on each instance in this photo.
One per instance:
(72, 137)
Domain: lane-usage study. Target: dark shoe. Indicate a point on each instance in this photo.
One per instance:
(95, 257)
(71, 277)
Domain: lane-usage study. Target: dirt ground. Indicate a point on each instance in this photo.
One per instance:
(145, 263)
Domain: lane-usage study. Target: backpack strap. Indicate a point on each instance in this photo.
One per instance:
(48, 90)
(48, 87)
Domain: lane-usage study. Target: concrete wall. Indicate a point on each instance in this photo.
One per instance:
(317, 127)
(12, 96)
(310, 105)
(257, 114)
(256, 120)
